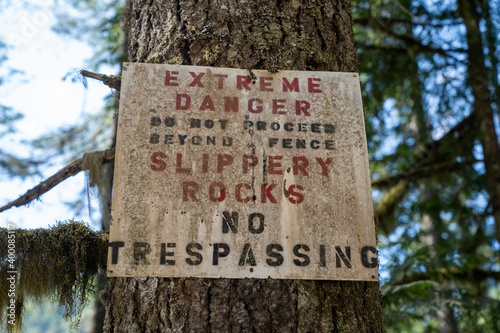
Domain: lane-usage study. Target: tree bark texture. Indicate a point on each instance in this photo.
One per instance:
(272, 35)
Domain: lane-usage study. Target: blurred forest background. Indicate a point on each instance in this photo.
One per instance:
(430, 82)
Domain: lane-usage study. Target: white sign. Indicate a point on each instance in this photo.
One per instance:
(235, 173)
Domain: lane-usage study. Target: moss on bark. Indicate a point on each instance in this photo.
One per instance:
(58, 263)
(272, 35)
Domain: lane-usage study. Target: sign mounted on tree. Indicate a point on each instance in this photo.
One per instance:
(235, 173)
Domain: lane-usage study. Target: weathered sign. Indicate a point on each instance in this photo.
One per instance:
(237, 173)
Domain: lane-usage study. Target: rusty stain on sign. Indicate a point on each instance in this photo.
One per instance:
(219, 174)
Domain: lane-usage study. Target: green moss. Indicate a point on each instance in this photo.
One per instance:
(58, 264)
(385, 206)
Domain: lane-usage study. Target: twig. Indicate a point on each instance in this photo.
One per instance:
(45, 186)
(404, 9)
(112, 81)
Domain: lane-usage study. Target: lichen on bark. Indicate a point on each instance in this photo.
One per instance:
(272, 35)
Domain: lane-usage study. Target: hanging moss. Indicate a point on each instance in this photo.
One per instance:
(58, 264)
(98, 175)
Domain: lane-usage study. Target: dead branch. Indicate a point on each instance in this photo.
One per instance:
(112, 81)
(72, 169)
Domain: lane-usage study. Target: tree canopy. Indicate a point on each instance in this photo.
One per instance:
(430, 81)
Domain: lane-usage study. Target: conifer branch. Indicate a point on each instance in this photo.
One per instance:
(72, 169)
(112, 81)
(436, 156)
(448, 273)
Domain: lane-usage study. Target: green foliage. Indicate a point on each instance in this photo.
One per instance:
(429, 179)
(65, 144)
(59, 264)
(426, 161)
(100, 23)
(72, 141)
(10, 164)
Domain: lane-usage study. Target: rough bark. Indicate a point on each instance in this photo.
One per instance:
(301, 35)
(245, 305)
(273, 35)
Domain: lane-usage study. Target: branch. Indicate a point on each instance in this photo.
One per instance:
(105, 156)
(112, 81)
(394, 20)
(58, 263)
(386, 205)
(380, 24)
(456, 273)
(421, 171)
(433, 157)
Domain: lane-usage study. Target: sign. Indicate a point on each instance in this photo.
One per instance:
(241, 173)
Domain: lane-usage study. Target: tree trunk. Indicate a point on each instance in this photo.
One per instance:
(272, 35)
(478, 77)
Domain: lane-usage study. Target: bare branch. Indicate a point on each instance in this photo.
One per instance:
(72, 169)
(112, 81)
